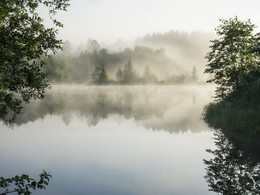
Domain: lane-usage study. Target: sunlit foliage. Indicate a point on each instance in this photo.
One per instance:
(232, 59)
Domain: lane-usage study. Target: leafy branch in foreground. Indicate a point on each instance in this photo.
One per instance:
(24, 45)
(23, 184)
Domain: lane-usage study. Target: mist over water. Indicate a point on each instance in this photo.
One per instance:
(124, 112)
(170, 108)
(113, 140)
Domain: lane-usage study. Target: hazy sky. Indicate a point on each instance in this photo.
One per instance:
(110, 20)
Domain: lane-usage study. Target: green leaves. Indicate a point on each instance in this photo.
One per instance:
(23, 184)
(231, 57)
(25, 43)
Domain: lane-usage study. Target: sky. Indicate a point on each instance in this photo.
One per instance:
(111, 20)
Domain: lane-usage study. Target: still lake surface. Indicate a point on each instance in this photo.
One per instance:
(113, 140)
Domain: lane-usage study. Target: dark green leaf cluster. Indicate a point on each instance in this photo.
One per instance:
(23, 184)
(24, 44)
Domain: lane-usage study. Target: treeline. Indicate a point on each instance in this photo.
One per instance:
(97, 65)
(128, 75)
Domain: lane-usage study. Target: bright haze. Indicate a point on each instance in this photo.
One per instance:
(111, 20)
(180, 29)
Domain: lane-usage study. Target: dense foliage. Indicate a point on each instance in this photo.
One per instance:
(234, 61)
(24, 44)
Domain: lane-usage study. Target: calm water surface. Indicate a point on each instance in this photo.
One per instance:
(113, 140)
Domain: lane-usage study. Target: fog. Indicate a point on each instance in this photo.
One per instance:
(113, 139)
(108, 21)
(124, 113)
(187, 49)
(170, 57)
(169, 108)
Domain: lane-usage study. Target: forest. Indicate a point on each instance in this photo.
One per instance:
(144, 63)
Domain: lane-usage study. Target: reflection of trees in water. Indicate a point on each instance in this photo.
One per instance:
(159, 108)
(231, 171)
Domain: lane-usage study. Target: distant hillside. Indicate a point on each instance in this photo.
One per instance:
(187, 49)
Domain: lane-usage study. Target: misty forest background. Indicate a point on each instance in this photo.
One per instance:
(170, 58)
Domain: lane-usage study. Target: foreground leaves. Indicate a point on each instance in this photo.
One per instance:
(23, 184)
(24, 45)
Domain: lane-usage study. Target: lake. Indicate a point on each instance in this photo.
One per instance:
(113, 140)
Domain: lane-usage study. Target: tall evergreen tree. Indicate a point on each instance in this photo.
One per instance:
(99, 75)
(129, 75)
(103, 78)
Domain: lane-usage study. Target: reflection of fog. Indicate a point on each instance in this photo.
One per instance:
(232, 171)
(171, 108)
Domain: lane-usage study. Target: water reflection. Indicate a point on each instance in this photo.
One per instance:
(109, 158)
(171, 108)
(106, 142)
(231, 170)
